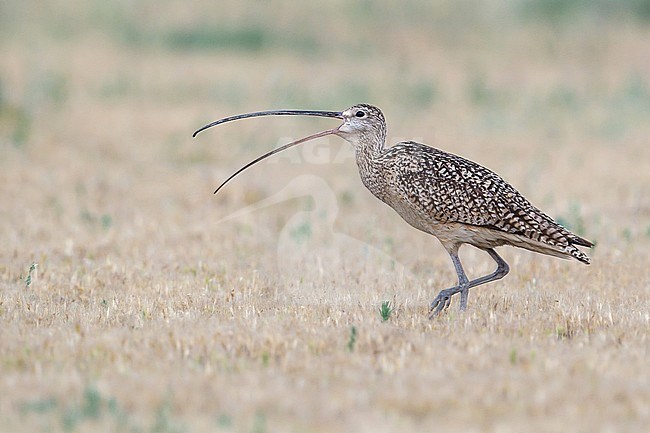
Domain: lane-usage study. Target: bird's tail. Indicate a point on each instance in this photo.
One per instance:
(577, 240)
(578, 254)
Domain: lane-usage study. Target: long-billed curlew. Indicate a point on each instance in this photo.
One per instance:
(456, 200)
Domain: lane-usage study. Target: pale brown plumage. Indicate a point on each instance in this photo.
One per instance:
(444, 188)
(450, 197)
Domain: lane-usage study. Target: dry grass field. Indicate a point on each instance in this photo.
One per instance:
(152, 308)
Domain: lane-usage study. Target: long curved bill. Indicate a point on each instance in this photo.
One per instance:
(333, 114)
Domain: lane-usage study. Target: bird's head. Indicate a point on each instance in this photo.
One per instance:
(362, 122)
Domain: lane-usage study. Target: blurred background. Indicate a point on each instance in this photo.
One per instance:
(102, 185)
(98, 99)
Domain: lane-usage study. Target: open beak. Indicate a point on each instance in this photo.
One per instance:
(333, 114)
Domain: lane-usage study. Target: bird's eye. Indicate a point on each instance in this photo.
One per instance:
(360, 113)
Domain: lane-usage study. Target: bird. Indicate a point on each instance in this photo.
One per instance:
(445, 195)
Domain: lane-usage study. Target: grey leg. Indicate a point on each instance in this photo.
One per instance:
(443, 299)
(501, 271)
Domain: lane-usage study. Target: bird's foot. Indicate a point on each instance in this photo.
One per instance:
(441, 302)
